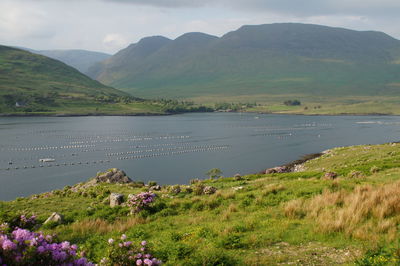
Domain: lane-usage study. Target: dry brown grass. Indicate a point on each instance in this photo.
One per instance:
(365, 212)
(102, 226)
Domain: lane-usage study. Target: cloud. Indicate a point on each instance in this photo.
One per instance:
(292, 7)
(109, 25)
(164, 3)
(17, 22)
(114, 41)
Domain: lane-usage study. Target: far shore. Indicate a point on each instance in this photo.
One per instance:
(165, 114)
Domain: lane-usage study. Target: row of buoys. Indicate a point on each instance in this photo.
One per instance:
(55, 165)
(171, 153)
(163, 149)
(36, 158)
(285, 129)
(133, 138)
(43, 148)
(159, 145)
(277, 135)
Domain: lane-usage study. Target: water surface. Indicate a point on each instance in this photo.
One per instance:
(168, 149)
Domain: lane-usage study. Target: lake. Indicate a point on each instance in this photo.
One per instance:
(168, 149)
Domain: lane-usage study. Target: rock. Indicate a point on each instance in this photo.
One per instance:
(156, 188)
(208, 190)
(238, 177)
(116, 199)
(278, 169)
(330, 175)
(55, 217)
(114, 176)
(187, 189)
(175, 189)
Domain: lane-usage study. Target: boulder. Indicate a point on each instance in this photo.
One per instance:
(55, 217)
(156, 188)
(116, 199)
(238, 177)
(330, 175)
(114, 176)
(175, 189)
(208, 190)
(278, 169)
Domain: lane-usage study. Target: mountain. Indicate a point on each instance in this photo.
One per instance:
(79, 59)
(38, 83)
(282, 58)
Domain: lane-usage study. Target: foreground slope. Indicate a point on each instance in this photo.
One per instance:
(283, 58)
(337, 209)
(31, 83)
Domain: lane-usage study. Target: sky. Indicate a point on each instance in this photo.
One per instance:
(111, 25)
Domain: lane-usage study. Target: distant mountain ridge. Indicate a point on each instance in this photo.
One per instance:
(79, 59)
(282, 58)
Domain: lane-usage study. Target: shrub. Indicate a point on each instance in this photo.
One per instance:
(292, 102)
(141, 201)
(355, 174)
(175, 189)
(23, 247)
(213, 257)
(231, 241)
(124, 252)
(380, 256)
(374, 169)
(198, 189)
(152, 183)
(20, 221)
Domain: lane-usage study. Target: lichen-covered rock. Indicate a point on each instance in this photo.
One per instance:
(55, 217)
(238, 177)
(116, 199)
(114, 176)
(175, 189)
(156, 188)
(330, 175)
(187, 189)
(208, 190)
(355, 174)
(278, 169)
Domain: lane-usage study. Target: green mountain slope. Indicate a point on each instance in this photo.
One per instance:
(31, 83)
(286, 58)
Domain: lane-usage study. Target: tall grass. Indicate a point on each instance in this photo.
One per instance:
(364, 213)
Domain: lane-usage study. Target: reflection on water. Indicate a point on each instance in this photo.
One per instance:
(169, 150)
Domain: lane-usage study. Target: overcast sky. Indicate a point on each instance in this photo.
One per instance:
(109, 25)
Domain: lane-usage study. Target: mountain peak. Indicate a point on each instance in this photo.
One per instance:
(196, 36)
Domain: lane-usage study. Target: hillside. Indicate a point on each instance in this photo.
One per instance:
(35, 84)
(339, 208)
(272, 59)
(79, 59)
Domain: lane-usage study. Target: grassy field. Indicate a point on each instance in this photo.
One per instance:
(89, 107)
(340, 208)
(311, 105)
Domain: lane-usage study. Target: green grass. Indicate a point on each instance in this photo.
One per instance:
(48, 87)
(247, 225)
(310, 105)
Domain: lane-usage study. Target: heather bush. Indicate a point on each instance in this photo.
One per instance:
(141, 201)
(20, 221)
(125, 252)
(23, 247)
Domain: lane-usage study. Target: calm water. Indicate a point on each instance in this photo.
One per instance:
(168, 149)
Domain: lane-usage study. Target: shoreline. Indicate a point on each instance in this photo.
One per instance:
(167, 114)
(289, 166)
